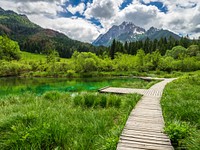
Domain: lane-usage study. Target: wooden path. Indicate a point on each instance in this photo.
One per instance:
(144, 127)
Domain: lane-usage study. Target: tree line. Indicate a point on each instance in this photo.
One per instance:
(149, 46)
(178, 58)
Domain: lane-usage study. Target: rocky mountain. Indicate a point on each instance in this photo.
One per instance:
(129, 32)
(35, 39)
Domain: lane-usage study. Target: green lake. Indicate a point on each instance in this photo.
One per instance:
(41, 85)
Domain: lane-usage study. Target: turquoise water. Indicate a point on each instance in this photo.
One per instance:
(41, 85)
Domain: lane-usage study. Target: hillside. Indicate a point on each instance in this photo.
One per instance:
(35, 39)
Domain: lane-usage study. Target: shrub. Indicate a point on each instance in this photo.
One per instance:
(52, 95)
(71, 73)
(177, 132)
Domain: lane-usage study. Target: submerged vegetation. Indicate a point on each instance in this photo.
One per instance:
(181, 107)
(57, 120)
(16, 86)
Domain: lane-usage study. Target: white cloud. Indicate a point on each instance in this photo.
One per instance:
(45, 8)
(79, 8)
(77, 28)
(141, 15)
(103, 9)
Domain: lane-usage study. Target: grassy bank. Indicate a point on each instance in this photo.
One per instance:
(181, 109)
(59, 121)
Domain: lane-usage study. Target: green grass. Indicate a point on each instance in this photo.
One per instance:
(181, 109)
(26, 56)
(57, 120)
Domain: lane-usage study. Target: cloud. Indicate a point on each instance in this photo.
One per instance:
(39, 7)
(49, 1)
(79, 8)
(75, 28)
(103, 9)
(141, 15)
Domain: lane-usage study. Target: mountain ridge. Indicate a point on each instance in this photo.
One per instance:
(129, 32)
(33, 38)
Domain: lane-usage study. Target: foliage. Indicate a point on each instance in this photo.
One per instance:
(177, 52)
(88, 64)
(9, 50)
(140, 60)
(85, 62)
(13, 68)
(193, 50)
(112, 49)
(177, 132)
(52, 56)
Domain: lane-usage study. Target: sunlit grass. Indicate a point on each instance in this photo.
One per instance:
(26, 56)
(181, 109)
(57, 120)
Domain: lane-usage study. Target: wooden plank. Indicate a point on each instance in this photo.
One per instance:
(142, 131)
(145, 134)
(135, 146)
(146, 137)
(146, 141)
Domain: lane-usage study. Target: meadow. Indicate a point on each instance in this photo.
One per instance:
(58, 120)
(181, 105)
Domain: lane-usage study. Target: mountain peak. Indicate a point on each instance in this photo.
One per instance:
(127, 31)
(153, 29)
(127, 23)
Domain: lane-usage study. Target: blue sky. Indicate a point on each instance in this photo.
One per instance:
(85, 20)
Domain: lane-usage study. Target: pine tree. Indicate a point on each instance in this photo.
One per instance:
(112, 49)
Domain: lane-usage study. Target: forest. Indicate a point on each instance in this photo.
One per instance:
(132, 58)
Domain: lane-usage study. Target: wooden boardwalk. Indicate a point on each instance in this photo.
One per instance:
(144, 127)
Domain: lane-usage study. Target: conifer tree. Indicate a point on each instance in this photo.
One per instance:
(112, 49)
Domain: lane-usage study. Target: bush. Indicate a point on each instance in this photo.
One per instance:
(9, 50)
(71, 73)
(177, 132)
(177, 52)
